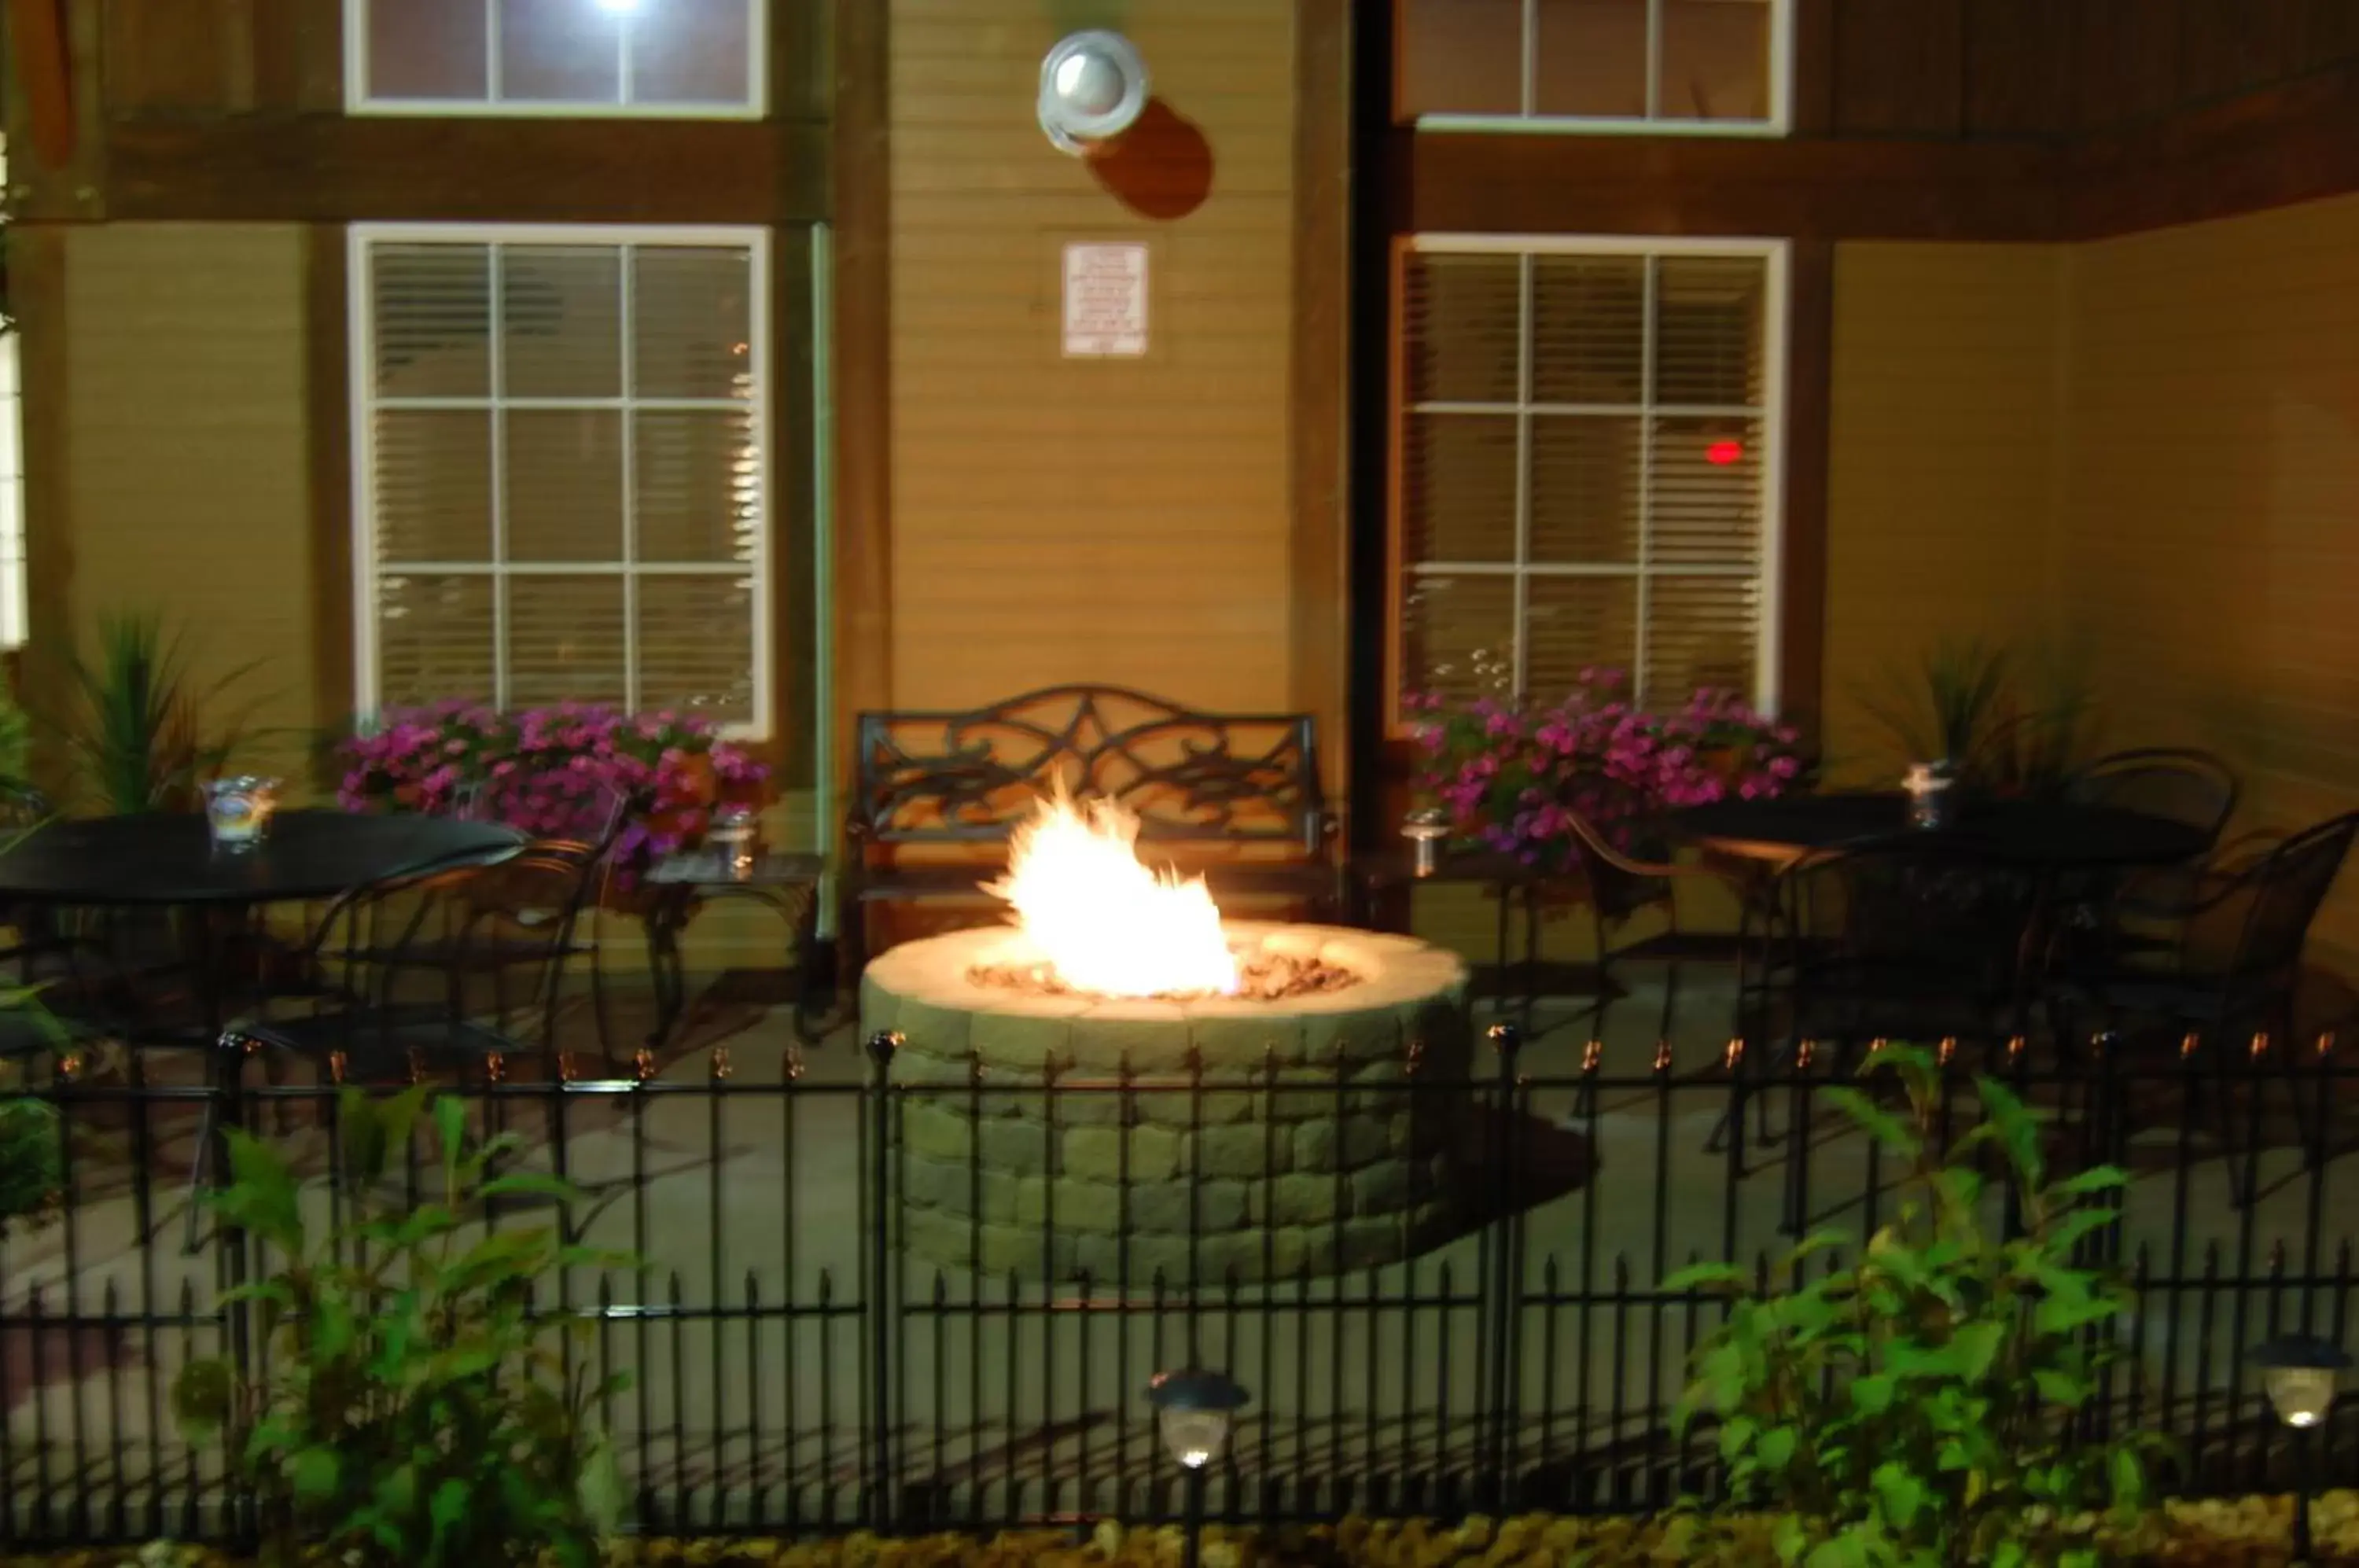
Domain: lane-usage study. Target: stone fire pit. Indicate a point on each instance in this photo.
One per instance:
(1314, 1150)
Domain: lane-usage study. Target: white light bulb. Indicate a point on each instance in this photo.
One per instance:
(2301, 1394)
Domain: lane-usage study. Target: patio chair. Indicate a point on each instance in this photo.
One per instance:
(2232, 963)
(2178, 784)
(1629, 863)
(443, 971)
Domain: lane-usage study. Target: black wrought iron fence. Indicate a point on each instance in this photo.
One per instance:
(871, 1295)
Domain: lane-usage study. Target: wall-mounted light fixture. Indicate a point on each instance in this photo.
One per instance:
(1092, 88)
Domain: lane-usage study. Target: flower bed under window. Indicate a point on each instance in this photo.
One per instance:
(554, 772)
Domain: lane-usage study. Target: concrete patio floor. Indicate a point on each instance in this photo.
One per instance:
(752, 1356)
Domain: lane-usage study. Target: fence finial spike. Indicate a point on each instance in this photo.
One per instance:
(337, 1062)
(2015, 1045)
(1662, 1056)
(1803, 1050)
(1735, 1053)
(1592, 1056)
(719, 1062)
(1947, 1051)
(2325, 1044)
(495, 1068)
(643, 1064)
(2261, 1044)
(2188, 1043)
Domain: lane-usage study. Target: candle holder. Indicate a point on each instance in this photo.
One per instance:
(1425, 830)
(1928, 786)
(238, 811)
(735, 838)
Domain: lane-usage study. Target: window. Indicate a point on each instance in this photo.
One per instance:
(1587, 465)
(1702, 67)
(654, 58)
(561, 476)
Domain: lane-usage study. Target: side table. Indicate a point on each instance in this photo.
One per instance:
(786, 881)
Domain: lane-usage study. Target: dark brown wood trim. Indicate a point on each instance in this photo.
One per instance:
(1318, 626)
(1459, 182)
(330, 169)
(861, 357)
(1812, 112)
(37, 285)
(800, 87)
(2295, 143)
(39, 34)
(328, 371)
(796, 741)
(298, 55)
(1802, 554)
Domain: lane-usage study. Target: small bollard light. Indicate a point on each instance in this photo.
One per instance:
(1196, 1410)
(2301, 1373)
(1425, 830)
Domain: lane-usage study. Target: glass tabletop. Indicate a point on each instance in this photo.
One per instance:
(157, 858)
(2030, 833)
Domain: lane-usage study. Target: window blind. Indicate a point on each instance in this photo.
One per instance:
(562, 489)
(1585, 450)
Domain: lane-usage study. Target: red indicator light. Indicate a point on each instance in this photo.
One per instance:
(1724, 454)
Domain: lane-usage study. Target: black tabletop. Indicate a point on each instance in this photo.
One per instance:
(162, 859)
(2030, 833)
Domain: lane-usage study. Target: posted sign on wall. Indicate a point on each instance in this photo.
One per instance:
(1105, 300)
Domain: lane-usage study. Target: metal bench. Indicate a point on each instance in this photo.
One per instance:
(1234, 797)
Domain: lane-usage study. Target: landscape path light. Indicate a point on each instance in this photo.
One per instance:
(1196, 1411)
(2301, 1373)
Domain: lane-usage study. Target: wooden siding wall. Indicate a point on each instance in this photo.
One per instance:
(187, 404)
(1968, 69)
(1112, 520)
(1945, 462)
(2211, 509)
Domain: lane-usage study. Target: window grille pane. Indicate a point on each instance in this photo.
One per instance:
(1585, 489)
(1708, 330)
(691, 51)
(1457, 487)
(564, 472)
(1572, 624)
(663, 56)
(433, 484)
(1461, 57)
(1463, 314)
(1701, 631)
(1715, 60)
(1461, 633)
(696, 646)
(1589, 329)
(560, 322)
(1705, 494)
(566, 641)
(615, 528)
(434, 637)
(432, 308)
(691, 322)
(1591, 59)
(559, 52)
(698, 481)
(1619, 507)
(428, 49)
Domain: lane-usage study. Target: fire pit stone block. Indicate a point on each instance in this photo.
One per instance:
(1303, 1146)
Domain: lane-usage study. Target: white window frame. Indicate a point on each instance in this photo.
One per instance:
(1768, 571)
(365, 403)
(358, 100)
(1528, 119)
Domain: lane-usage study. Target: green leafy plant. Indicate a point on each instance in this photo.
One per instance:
(1923, 1405)
(415, 1412)
(32, 1156)
(141, 737)
(2013, 721)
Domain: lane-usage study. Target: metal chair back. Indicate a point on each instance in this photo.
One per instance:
(2180, 784)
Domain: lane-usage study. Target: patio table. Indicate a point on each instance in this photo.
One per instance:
(2025, 835)
(166, 861)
